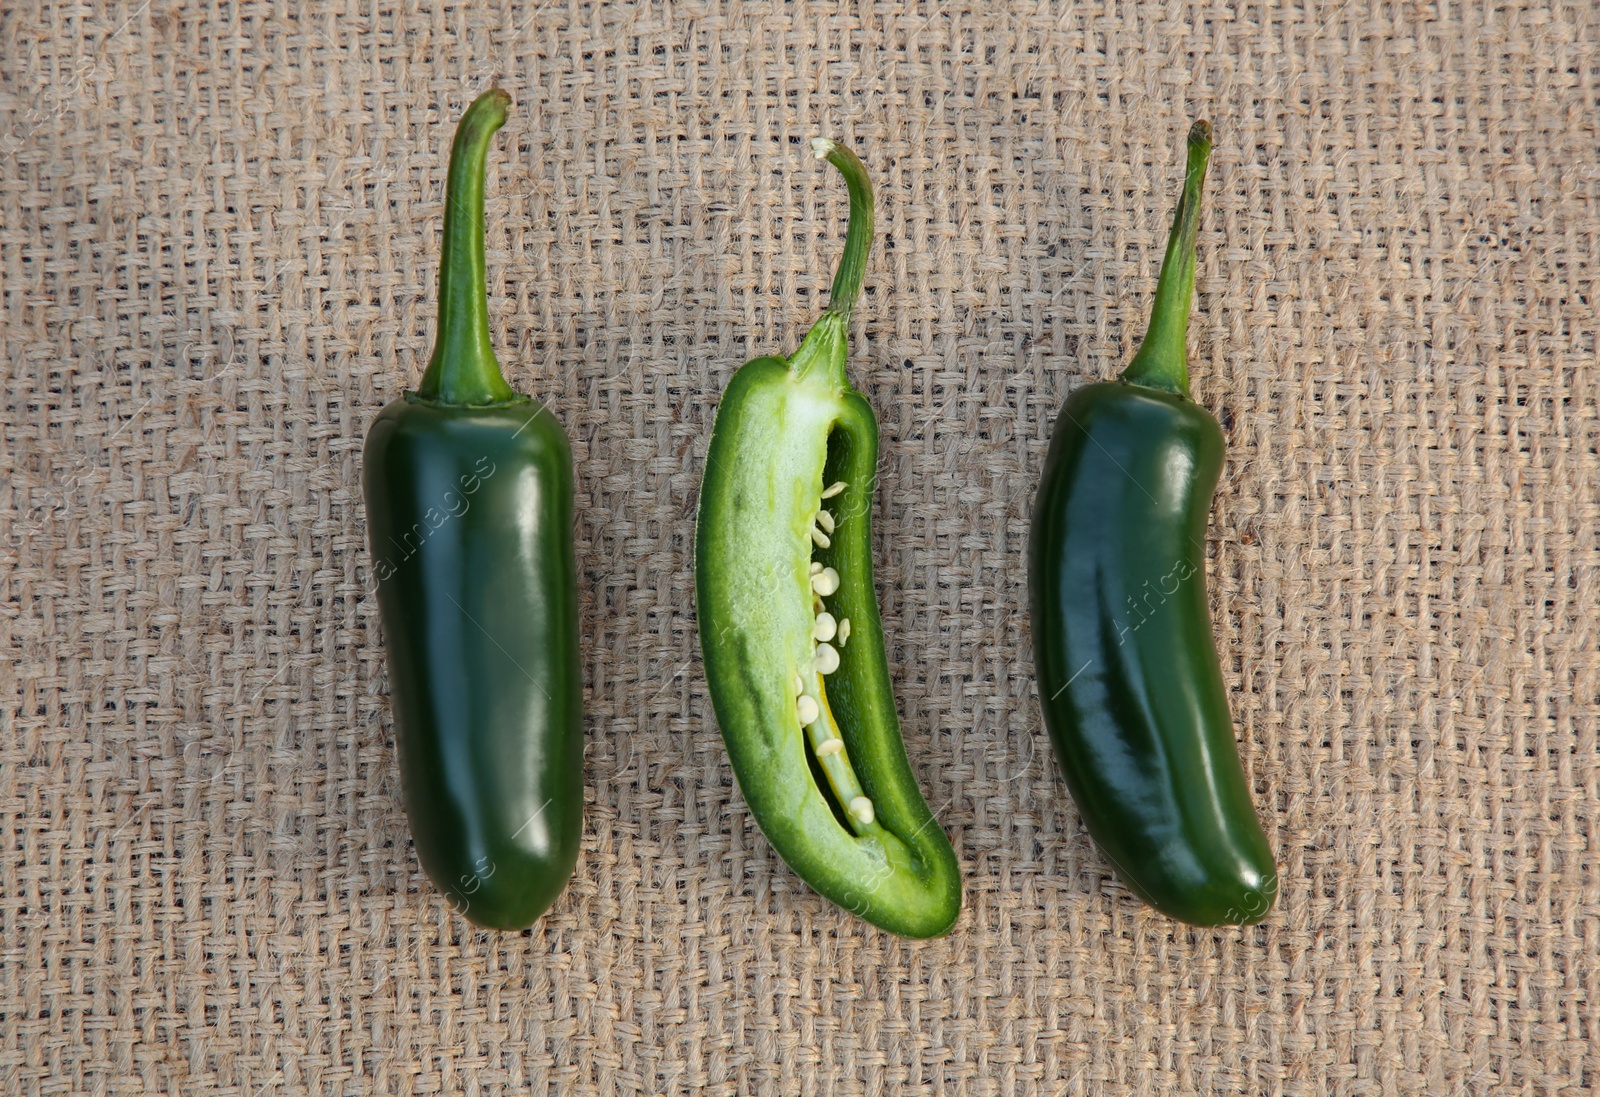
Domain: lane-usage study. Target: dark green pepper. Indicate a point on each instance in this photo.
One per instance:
(468, 487)
(1128, 675)
(789, 621)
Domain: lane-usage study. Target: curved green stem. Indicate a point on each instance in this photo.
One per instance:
(824, 350)
(1163, 360)
(858, 237)
(463, 369)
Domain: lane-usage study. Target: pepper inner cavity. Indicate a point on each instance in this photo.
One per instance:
(828, 635)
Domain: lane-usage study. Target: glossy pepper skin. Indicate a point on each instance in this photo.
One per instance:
(789, 624)
(468, 488)
(1127, 666)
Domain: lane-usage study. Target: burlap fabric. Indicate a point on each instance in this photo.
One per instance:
(218, 231)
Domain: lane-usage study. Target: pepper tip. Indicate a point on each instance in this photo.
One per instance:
(822, 146)
(494, 104)
(1201, 133)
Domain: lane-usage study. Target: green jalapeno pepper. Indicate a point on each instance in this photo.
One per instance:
(789, 623)
(468, 487)
(1129, 680)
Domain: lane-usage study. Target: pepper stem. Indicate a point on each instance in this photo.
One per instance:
(858, 237)
(463, 369)
(1163, 359)
(823, 351)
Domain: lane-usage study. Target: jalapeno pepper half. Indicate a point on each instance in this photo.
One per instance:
(1127, 666)
(789, 621)
(468, 486)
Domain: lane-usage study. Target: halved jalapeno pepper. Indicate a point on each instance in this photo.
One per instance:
(789, 624)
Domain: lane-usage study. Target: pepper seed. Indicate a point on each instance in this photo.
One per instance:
(834, 489)
(826, 581)
(844, 630)
(832, 746)
(806, 708)
(827, 659)
(824, 627)
(825, 520)
(861, 808)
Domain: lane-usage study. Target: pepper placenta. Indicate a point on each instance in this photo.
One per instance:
(1127, 666)
(789, 624)
(468, 486)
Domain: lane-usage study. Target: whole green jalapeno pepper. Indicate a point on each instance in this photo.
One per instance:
(789, 623)
(468, 487)
(1129, 680)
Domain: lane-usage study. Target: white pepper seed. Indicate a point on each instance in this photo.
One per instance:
(825, 582)
(861, 808)
(844, 631)
(834, 489)
(820, 538)
(806, 708)
(824, 627)
(827, 659)
(832, 746)
(825, 520)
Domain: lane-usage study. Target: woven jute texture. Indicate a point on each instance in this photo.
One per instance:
(219, 225)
